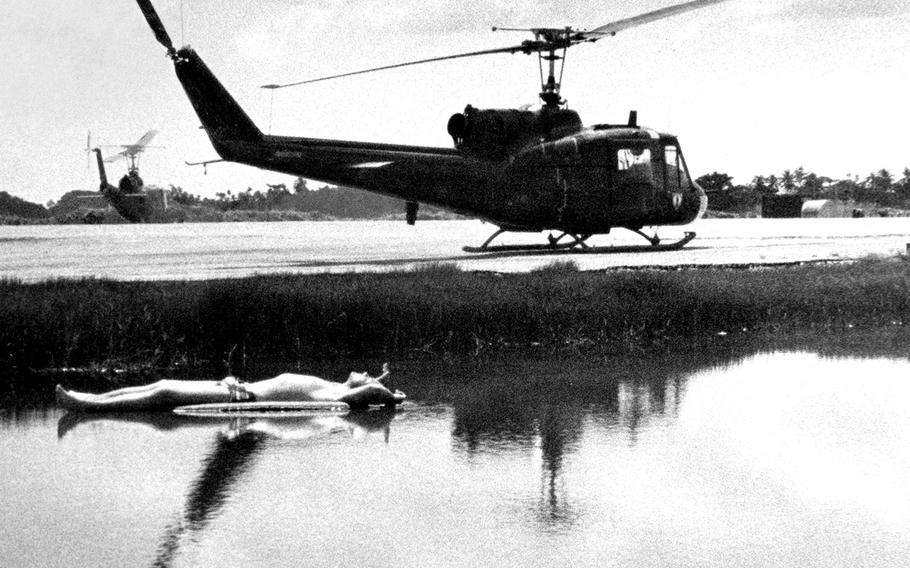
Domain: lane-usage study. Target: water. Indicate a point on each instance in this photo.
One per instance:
(227, 250)
(768, 459)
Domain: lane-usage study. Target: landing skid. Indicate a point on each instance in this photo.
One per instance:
(577, 244)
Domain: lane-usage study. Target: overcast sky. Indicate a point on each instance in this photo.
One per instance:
(749, 86)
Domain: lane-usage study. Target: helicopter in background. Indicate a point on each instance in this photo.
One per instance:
(522, 170)
(129, 197)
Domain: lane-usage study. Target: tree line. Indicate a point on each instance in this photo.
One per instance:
(879, 188)
(337, 202)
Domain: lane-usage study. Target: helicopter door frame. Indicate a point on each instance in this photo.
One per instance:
(675, 182)
(584, 178)
(628, 197)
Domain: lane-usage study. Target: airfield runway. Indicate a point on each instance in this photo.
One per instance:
(196, 251)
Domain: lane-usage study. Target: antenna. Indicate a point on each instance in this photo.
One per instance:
(88, 151)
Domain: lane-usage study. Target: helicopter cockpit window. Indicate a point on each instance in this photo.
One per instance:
(635, 162)
(677, 176)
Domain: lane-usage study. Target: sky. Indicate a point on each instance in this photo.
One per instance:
(749, 86)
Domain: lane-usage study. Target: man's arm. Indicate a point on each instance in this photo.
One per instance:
(386, 372)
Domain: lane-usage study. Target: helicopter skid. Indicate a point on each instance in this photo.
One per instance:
(579, 246)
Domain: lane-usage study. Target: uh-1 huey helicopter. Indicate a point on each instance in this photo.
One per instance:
(129, 197)
(522, 170)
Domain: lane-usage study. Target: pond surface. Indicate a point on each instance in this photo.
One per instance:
(770, 459)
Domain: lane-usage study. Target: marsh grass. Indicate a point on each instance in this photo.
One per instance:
(247, 325)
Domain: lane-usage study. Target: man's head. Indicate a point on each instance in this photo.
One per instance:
(356, 379)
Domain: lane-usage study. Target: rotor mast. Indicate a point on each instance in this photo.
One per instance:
(133, 162)
(550, 44)
(549, 90)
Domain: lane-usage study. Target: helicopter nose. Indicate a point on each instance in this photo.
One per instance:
(702, 205)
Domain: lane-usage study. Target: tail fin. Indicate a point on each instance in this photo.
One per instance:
(101, 171)
(221, 116)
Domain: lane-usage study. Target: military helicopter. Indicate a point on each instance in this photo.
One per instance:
(522, 170)
(129, 197)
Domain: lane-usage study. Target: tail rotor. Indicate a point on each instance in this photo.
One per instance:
(154, 22)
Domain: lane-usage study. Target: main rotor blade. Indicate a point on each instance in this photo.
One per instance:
(145, 139)
(532, 46)
(151, 16)
(526, 47)
(619, 25)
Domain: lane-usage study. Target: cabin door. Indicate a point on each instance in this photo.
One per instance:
(632, 190)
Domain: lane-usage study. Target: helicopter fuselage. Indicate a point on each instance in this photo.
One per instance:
(522, 170)
(587, 181)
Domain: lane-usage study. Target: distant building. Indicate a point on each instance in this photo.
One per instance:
(157, 198)
(11, 206)
(825, 208)
(781, 206)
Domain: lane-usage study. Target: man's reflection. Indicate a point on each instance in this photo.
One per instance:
(233, 453)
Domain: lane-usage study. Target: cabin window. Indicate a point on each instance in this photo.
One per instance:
(635, 162)
(677, 177)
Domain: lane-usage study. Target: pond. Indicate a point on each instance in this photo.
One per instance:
(768, 458)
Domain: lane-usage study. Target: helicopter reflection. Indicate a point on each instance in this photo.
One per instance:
(234, 451)
(548, 415)
(560, 427)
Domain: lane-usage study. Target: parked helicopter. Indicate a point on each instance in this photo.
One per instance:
(129, 197)
(522, 170)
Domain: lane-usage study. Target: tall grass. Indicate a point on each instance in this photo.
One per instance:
(245, 325)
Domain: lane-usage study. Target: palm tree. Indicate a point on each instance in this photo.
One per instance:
(786, 179)
(773, 183)
(880, 181)
(799, 177)
(903, 186)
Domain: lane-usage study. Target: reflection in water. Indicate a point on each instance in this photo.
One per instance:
(544, 406)
(559, 429)
(234, 451)
(231, 456)
(691, 458)
(496, 405)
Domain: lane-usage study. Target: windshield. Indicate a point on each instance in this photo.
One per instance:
(676, 175)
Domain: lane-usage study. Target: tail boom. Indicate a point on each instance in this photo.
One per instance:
(436, 176)
(222, 118)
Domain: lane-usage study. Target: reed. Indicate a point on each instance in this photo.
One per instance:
(288, 321)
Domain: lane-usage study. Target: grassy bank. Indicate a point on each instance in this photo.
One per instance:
(253, 324)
